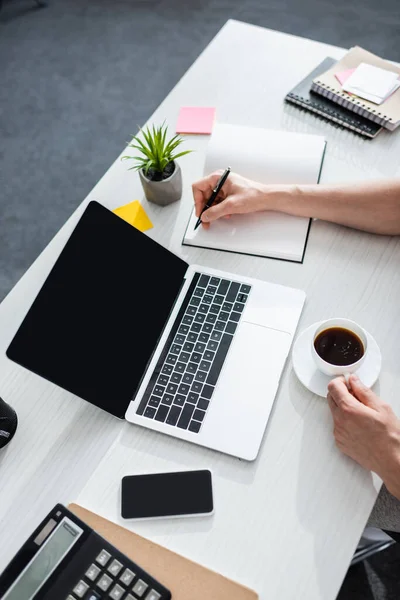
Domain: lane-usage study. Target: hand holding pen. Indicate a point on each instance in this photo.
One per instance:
(215, 193)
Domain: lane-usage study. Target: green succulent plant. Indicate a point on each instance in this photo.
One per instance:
(155, 151)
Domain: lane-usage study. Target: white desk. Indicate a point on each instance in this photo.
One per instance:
(287, 524)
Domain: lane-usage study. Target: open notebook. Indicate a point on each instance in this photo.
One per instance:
(269, 157)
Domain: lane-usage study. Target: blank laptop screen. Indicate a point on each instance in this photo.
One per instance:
(96, 321)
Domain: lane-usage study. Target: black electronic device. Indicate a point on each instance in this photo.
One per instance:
(64, 559)
(154, 495)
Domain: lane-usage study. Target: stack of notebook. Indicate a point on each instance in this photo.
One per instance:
(323, 92)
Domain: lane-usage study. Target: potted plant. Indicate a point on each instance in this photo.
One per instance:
(159, 172)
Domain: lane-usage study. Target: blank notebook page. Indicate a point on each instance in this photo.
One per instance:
(269, 157)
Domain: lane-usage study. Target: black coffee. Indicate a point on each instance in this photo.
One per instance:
(339, 346)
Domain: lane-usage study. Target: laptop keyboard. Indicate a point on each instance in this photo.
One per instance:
(182, 384)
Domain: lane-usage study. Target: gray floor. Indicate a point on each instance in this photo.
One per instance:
(76, 78)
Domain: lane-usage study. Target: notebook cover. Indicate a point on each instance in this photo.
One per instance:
(185, 579)
(388, 112)
(301, 95)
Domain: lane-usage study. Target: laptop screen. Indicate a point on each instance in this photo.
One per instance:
(97, 319)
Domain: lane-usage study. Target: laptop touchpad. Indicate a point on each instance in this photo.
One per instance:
(254, 364)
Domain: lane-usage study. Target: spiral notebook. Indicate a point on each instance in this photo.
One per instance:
(270, 157)
(302, 95)
(386, 114)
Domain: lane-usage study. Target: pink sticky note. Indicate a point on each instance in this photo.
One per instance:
(343, 75)
(195, 119)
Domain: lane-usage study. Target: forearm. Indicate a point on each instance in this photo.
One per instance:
(371, 206)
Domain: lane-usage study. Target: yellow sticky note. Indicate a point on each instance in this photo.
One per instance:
(134, 214)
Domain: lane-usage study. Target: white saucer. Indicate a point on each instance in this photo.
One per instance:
(316, 381)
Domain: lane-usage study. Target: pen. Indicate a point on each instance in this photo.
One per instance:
(214, 194)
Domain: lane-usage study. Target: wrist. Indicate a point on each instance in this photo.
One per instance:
(279, 198)
(391, 474)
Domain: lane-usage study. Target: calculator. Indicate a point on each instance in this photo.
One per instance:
(64, 559)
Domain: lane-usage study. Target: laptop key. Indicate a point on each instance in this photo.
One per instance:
(163, 380)
(241, 298)
(232, 293)
(183, 388)
(195, 327)
(154, 401)
(219, 359)
(207, 327)
(227, 306)
(199, 318)
(214, 309)
(162, 413)
(183, 329)
(187, 320)
(176, 377)
(191, 368)
(216, 335)
(192, 337)
(180, 367)
(211, 290)
(199, 347)
(179, 339)
(171, 359)
(149, 412)
(186, 415)
(214, 281)
(191, 310)
(204, 337)
(179, 400)
(198, 415)
(192, 397)
(203, 403)
(207, 299)
(184, 357)
(167, 369)
(211, 318)
(203, 281)
(245, 289)
(196, 387)
(167, 399)
(204, 365)
(196, 357)
(188, 347)
(158, 390)
(219, 325)
(207, 391)
(238, 306)
(199, 292)
(223, 316)
(171, 388)
(194, 426)
(187, 378)
(208, 355)
(235, 316)
(195, 300)
(212, 345)
(173, 415)
(230, 327)
(223, 287)
(218, 299)
(201, 376)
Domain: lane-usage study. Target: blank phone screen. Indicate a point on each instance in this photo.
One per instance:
(166, 494)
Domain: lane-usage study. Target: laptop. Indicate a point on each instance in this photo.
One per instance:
(188, 351)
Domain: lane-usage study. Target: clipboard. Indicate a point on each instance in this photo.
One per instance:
(185, 579)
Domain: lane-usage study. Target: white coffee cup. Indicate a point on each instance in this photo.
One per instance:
(329, 368)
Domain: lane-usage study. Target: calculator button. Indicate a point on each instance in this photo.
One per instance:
(103, 558)
(80, 589)
(127, 577)
(71, 597)
(117, 592)
(104, 582)
(114, 568)
(140, 587)
(92, 572)
(153, 595)
(130, 597)
(91, 595)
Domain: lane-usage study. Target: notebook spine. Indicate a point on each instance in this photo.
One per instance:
(355, 105)
(339, 119)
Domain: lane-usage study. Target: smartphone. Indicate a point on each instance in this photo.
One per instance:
(156, 495)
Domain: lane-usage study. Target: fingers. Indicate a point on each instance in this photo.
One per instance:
(363, 393)
(332, 404)
(202, 190)
(221, 209)
(340, 394)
